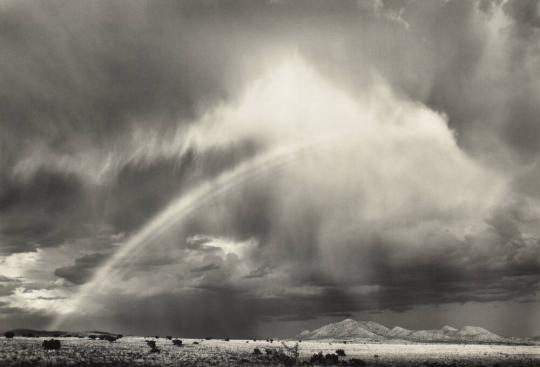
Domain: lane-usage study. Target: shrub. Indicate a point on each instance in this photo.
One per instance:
(340, 352)
(291, 352)
(331, 359)
(227, 339)
(153, 347)
(169, 337)
(208, 338)
(195, 342)
(268, 351)
(93, 337)
(151, 343)
(317, 358)
(328, 359)
(257, 351)
(51, 344)
(283, 359)
(109, 338)
(9, 334)
(177, 342)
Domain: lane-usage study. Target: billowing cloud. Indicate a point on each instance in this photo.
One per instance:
(410, 182)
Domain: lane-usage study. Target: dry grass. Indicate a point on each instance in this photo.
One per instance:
(134, 351)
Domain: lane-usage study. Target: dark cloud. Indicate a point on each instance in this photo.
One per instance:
(525, 13)
(82, 269)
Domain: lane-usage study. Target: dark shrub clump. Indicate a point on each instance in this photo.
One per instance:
(109, 338)
(257, 351)
(328, 359)
(177, 342)
(153, 347)
(340, 352)
(9, 334)
(51, 344)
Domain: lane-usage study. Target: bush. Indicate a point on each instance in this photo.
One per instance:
(340, 352)
(356, 362)
(331, 358)
(257, 351)
(169, 337)
(317, 358)
(151, 343)
(177, 342)
(93, 337)
(208, 338)
(9, 334)
(153, 347)
(51, 344)
(283, 359)
(292, 352)
(109, 338)
(328, 359)
(226, 339)
(195, 342)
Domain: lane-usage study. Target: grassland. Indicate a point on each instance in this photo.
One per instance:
(134, 351)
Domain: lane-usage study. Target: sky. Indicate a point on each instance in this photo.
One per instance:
(257, 168)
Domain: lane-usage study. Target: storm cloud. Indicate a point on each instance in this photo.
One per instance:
(418, 189)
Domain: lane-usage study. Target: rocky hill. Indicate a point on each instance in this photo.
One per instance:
(368, 330)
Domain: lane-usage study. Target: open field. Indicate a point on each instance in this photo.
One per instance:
(129, 351)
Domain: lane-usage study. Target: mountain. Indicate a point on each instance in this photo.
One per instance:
(368, 330)
(347, 329)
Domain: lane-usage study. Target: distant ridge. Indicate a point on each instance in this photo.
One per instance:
(56, 333)
(349, 329)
